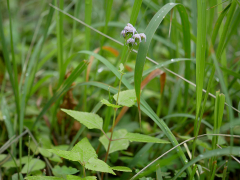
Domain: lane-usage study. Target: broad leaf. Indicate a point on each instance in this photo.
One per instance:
(63, 171)
(2, 156)
(71, 177)
(55, 158)
(98, 165)
(121, 168)
(86, 150)
(11, 164)
(17, 176)
(143, 138)
(33, 165)
(118, 145)
(73, 156)
(126, 98)
(90, 120)
(43, 178)
(106, 102)
(44, 152)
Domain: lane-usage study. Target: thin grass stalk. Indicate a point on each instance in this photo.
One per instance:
(88, 18)
(218, 114)
(13, 60)
(200, 57)
(226, 29)
(202, 110)
(225, 91)
(223, 58)
(7, 61)
(107, 19)
(214, 170)
(59, 28)
(193, 172)
(225, 171)
(76, 14)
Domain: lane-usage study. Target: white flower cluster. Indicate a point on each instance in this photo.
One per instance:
(135, 38)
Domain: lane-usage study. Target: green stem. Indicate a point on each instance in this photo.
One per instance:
(84, 173)
(115, 111)
(214, 170)
(114, 119)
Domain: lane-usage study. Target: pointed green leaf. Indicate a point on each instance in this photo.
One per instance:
(106, 102)
(63, 171)
(126, 98)
(98, 165)
(121, 168)
(33, 165)
(71, 177)
(86, 150)
(143, 138)
(73, 156)
(42, 178)
(118, 145)
(90, 120)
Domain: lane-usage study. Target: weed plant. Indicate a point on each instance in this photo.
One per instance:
(116, 89)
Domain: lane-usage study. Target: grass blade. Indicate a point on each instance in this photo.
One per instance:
(59, 19)
(135, 10)
(220, 152)
(150, 30)
(200, 53)
(13, 60)
(225, 29)
(8, 63)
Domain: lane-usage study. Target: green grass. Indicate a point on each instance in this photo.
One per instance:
(44, 55)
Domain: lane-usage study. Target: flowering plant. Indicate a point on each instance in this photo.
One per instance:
(131, 35)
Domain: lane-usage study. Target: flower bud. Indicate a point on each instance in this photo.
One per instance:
(137, 37)
(143, 36)
(131, 41)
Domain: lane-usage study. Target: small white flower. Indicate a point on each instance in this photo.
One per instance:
(130, 25)
(143, 36)
(131, 41)
(123, 33)
(137, 37)
(129, 29)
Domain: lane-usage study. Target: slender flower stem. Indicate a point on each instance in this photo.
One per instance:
(114, 119)
(115, 111)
